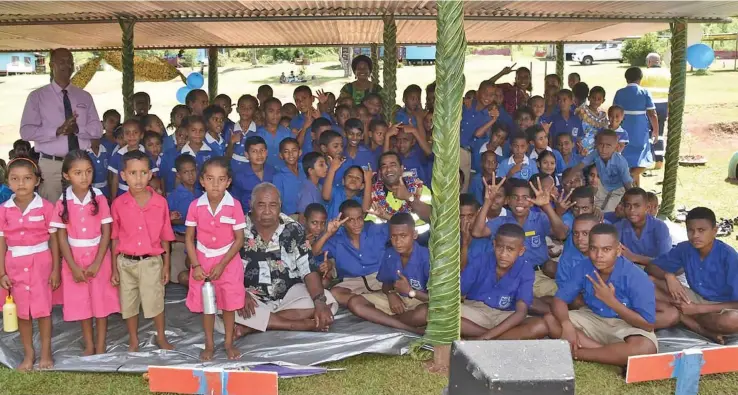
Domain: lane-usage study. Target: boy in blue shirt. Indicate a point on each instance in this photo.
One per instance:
(565, 121)
(575, 249)
(402, 302)
(272, 132)
(110, 122)
(302, 122)
(518, 165)
(569, 156)
(356, 186)
(247, 176)
(412, 113)
(644, 237)
(480, 115)
(168, 171)
(413, 149)
(358, 248)
(196, 147)
(224, 101)
(499, 291)
(477, 185)
(355, 149)
(621, 305)
(289, 177)
(315, 168)
(710, 305)
(537, 226)
(317, 128)
(470, 246)
(331, 145)
(615, 115)
(100, 158)
(494, 142)
(538, 138)
(179, 202)
(132, 134)
(612, 169)
(247, 108)
(215, 118)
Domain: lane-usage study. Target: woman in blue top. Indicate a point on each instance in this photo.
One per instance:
(640, 121)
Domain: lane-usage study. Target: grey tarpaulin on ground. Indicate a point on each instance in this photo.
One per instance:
(348, 336)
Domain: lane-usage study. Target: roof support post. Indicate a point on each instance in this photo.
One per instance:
(677, 93)
(212, 73)
(126, 25)
(390, 67)
(444, 311)
(375, 63)
(51, 69)
(560, 58)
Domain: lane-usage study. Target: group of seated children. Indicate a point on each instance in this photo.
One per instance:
(541, 176)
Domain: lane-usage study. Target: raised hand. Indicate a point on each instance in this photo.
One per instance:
(401, 284)
(368, 174)
(546, 127)
(563, 201)
(335, 224)
(379, 212)
(400, 191)
(508, 69)
(493, 111)
(321, 96)
(543, 195)
(236, 137)
(327, 266)
(491, 188)
(336, 164)
(603, 291)
(393, 130)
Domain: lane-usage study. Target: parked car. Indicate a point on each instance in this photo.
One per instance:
(601, 52)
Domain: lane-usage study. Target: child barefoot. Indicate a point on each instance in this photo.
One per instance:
(29, 257)
(84, 237)
(220, 221)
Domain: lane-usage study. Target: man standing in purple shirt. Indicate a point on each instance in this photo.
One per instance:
(59, 118)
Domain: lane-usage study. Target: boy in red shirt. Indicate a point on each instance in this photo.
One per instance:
(141, 234)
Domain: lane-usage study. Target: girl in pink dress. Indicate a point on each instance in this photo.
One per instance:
(29, 257)
(82, 217)
(213, 250)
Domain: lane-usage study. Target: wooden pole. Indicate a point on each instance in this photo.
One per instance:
(127, 87)
(390, 67)
(212, 73)
(375, 62)
(677, 93)
(560, 58)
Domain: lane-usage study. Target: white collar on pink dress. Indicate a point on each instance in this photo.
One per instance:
(37, 202)
(88, 197)
(226, 201)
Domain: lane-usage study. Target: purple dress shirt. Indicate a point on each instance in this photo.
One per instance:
(44, 113)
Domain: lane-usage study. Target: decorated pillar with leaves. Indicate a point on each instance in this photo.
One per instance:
(444, 312)
(390, 66)
(375, 63)
(212, 73)
(126, 25)
(560, 58)
(677, 93)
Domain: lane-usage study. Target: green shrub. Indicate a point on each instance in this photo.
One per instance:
(635, 51)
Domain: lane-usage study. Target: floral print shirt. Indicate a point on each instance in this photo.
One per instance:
(271, 267)
(593, 122)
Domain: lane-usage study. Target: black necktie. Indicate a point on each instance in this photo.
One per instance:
(72, 139)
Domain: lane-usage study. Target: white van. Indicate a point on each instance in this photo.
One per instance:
(611, 50)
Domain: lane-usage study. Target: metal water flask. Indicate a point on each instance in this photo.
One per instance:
(208, 298)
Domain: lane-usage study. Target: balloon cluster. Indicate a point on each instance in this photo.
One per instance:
(194, 81)
(700, 56)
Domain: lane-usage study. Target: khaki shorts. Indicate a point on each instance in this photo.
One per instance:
(140, 286)
(358, 286)
(606, 330)
(297, 298)
(483, 315)
(608, 201)
(381, 302)
(544, 285)
(697, 298)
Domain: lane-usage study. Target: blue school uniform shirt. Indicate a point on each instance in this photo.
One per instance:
(5, 193)
(415, 163)
(338, 178)
(309, 193)
(100, 168)
(167, 170)
(109, 145)
(245, 180)
(179, 200)
(574, 159)
(537, 226)
(338, 196)
(636, 101)
(416, 270)
(614, 174)
(353, 262)
(623, 136)
(715, 278)
(228, 128)
(571, 258)
(559, 125)
(288, 184)
(403, 116)
(307, 143)
(272, 142)
(201, 156)
(115, 165)
(477, 187)
(528, 169)
(632, 288)
(655, 238)
(471, 120)
(218, 146)
(478, 148)
(560, 165)
(364, 157)
(502, 294)
(239, 148)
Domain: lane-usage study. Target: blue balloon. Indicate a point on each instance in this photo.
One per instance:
(182, 94)
(700, 56)
(195, 80)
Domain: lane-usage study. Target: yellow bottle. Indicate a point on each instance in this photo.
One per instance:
(10, 315)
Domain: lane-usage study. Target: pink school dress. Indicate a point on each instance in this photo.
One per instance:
(96, 298)
(215, 236)
(28, 259)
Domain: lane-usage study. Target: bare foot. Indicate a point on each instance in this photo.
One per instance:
(27, 364)
(101, 349)
(432, 367)
(164, 344)
(46, 361)
(232, 352)
(133, 345)
(241, 331)
(89, 350)
(207, 354)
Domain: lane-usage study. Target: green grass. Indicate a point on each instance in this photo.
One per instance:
(369, 374)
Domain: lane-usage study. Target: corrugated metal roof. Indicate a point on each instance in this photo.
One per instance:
(31, 25)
